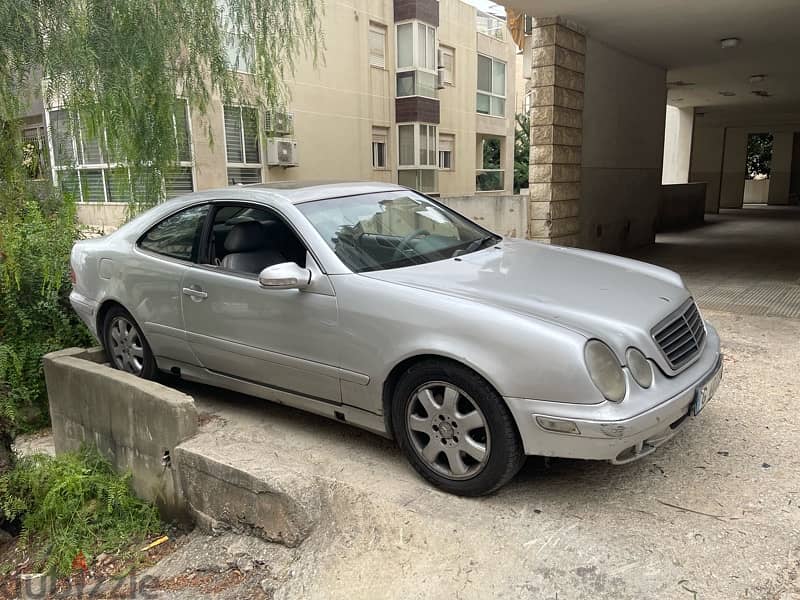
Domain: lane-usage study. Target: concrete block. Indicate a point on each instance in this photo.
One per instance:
(556, 134)
(554, 192)
(560, 35)
(554, 173)
(553, 210)
(556, 115)
(133, 422)
(546, 56)
(556, 96)
(554, 228)
(266, 496)
(549, 153)
(558, 76)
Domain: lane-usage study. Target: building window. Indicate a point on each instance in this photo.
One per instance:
(490, 177)
(416, 60)
(417, 156)
(377, 45)
(242, 148)
(491, 99)
(85, 167)
(422, 180)
(447, 65)
(446, 146)
(34, 152)
(380, 136)
(239, 55)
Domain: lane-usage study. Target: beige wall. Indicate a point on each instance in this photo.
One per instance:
(623, 144)
(677, 144)
(706, 161)
(780, 167)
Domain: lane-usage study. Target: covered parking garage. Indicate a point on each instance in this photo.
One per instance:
(607, 159)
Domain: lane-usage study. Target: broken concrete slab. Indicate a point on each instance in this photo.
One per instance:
(227, 485)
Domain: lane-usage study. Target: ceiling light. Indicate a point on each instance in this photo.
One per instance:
(726, 93)
(679, 83)
(761, 93)
(730, 42)
(757, 78)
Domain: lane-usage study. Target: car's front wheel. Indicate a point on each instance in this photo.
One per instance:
(455, 429)
(125, 344)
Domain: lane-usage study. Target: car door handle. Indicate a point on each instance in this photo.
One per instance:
(195, 293)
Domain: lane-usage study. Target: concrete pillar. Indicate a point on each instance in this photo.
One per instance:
(557, 77)
(707, 152)
(733, 168)
(780, 167)
(677, 144)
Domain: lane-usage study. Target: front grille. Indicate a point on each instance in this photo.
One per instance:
(681, 335)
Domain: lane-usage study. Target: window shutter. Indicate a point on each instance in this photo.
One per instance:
(377, 46)
(233, 134)
(178, 181)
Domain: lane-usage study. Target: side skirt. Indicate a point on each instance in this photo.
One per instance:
(338, 412)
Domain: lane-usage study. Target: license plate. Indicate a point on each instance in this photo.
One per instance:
(705, 392)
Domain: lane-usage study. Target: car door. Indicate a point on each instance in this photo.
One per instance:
(152, 276)
(282, 339)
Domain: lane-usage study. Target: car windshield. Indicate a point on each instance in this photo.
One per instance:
(386, 230)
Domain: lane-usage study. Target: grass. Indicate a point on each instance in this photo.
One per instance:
(71, 505)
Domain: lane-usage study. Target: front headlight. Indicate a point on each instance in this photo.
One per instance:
(605, 370)
(639, 367)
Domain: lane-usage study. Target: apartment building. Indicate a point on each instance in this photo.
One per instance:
(418, 92)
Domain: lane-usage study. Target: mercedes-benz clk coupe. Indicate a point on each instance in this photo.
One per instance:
(380, 307)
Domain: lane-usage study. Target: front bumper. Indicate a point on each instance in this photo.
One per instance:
(609, 431)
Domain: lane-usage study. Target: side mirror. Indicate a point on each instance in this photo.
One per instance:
(285, 276)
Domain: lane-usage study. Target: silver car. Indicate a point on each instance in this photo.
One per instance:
(377, 306)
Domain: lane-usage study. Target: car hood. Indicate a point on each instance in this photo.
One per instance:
(598, 295)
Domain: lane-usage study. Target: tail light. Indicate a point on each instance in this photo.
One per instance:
(72, 276)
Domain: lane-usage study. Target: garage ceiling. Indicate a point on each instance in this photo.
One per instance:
(684, 37)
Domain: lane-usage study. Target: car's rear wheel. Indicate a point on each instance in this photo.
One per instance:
(125, 344)
(455, 429)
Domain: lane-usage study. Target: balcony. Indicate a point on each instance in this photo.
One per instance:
(490, 25)
(489, 180)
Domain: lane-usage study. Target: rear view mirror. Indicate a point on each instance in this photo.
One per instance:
(284, 276)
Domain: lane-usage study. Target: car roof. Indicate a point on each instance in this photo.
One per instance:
(297, 192)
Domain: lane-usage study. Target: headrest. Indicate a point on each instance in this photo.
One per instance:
(245, 237)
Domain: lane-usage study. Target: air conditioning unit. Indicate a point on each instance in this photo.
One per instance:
(281, 152)
(528, 30)
(278, 123)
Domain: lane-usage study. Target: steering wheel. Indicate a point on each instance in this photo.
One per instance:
(406, 241)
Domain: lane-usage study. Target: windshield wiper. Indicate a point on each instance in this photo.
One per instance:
(476, 245)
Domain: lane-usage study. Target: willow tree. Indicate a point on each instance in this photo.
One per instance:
(115, 66)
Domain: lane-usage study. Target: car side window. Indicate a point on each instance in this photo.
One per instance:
(247, 239)
(177, 236)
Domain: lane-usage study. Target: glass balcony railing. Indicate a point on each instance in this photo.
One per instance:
(489, 180)
(491, 26)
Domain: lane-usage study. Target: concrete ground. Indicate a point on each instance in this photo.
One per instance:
(714, 514)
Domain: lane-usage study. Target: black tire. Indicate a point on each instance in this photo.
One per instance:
(115, 316)
(504, 455)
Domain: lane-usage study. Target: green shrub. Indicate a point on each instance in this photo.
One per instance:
(73, 503)
(35, 315)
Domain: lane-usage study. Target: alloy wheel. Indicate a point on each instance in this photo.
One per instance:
(447, 430)
(127, 349)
